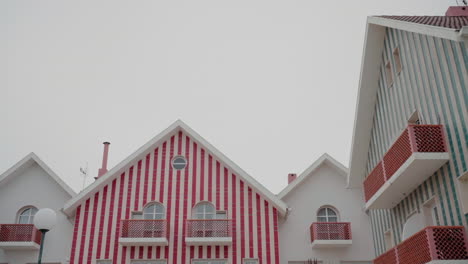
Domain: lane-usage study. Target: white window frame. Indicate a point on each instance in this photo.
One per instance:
(327, 216)
(154, 214)
(29, 216)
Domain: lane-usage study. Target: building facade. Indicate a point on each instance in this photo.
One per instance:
(26, 187)
(325, 221)
(175, 200)
(410, 143)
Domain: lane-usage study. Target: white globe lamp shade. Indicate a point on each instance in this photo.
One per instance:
(45, 219)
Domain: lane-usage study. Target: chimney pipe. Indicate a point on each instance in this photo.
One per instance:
(105, 154)
(291, 177)
(457, 11)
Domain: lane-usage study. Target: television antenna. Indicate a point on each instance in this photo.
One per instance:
(84, 174)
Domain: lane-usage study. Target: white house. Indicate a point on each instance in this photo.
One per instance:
(28, 186)
(326, 220)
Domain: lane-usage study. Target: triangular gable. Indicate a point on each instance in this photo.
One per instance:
(105, 179)
(325, 158)
(25, 163)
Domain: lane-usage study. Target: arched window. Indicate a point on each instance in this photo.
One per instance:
(154, 211)
(327, 214)
(26, 215)
(204, 210)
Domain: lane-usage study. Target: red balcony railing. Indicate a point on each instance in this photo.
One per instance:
(19, 233)
(415, 138)
(431, 243)
(144, 229)
(330, 231)
(208, 228)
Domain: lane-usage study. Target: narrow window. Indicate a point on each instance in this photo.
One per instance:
(388, 72)
(396, 57)
(389, 243)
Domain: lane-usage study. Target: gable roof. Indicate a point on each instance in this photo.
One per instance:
(325, 158)
(73, 203)
(367, 94)
(25, 163)
(453, 22)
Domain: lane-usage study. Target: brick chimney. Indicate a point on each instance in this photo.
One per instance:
(291, 177)
(457, 11)
(105, 154)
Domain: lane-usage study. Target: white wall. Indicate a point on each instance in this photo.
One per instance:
(34, 187)
(325, 187)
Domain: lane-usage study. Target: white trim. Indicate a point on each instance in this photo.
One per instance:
(73, 203)
(331, 243)
(325, 158)
(143, 241)
(19, 245)
(27, 162)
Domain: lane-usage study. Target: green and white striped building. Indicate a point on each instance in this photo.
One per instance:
(414, 75)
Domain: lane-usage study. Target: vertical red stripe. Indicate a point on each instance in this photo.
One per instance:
(194, 185)
(226, 249)
(119, 215)
(158, 252)
(234, 219)
(169, 196)
(251, 243)
(259, 229)
(140, 252)
(217, 252)
(132, 252)
(200, 251)
(101, 221)
(177, 202)
(75, 234)
(150, 252)
(208, 252)
(83, 232)
(111, 218)
(124, 254)
(218, 184)
(267, 227)
(137, 186)
(185, 209)
(155, 175)
(276, 230)
(242, 218)
(192, 252)
(210, 178)
(202, 175)
(226, 189)
(163, 171)
(145, 187)
(93, 227)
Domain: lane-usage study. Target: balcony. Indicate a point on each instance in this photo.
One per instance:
(19, 236)
(434, 243)
(330, 235)
(144, 233)
(416, 155)
(214, 232)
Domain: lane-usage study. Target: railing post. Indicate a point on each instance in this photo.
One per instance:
(430, 239)
(412, 138)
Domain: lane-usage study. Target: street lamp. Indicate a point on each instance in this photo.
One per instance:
(44, 220)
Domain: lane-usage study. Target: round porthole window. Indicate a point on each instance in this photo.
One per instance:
(179, 163)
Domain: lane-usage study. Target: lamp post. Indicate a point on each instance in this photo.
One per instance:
(44, 220)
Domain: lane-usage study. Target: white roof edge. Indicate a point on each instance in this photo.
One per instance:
(325, 158)
(440, 32)
(32, 157)
(71, 205)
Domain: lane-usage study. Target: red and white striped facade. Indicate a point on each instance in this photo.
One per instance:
(150, 177)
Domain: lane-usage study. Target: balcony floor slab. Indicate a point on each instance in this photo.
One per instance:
(143, 241)
(19, 245)
(208, 241)
(418, 168)
(331, 243)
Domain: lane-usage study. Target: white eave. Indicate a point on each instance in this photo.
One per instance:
(368, 84)
(25, 163)
(73, 203)
(325, 158)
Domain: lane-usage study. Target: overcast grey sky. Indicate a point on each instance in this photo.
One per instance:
(272, 84)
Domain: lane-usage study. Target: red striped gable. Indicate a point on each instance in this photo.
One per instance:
(152, 178)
